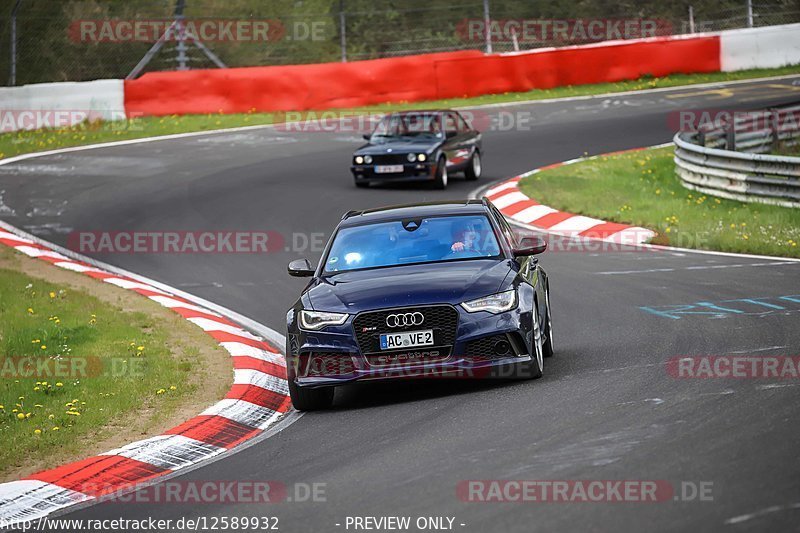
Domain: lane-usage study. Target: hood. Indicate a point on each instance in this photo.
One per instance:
(453, 283)
(400, 147)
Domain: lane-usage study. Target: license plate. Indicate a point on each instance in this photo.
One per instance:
(408, 339)
(388, 169)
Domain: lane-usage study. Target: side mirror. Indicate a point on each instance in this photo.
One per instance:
(530, 246)
(301, 268)
(367, 136)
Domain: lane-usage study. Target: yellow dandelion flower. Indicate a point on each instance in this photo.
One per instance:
(59, 384)
(52, 294)
(20, 416)
(56, 428)
(30, 311)
(37, 431)
(160, 391)
(173, 387)
(51, 417)
(43, 346)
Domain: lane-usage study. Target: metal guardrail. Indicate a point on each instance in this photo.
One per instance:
(726, 158)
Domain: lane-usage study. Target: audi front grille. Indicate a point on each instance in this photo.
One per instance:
(442, 319)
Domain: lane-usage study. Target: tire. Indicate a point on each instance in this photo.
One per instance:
(474, 167)
(305, 399)
(547, 346)
(441, 178)
(534, 369)
(362, 184)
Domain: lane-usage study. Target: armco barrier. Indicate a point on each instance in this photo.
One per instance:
(413, 78)
(738, 176)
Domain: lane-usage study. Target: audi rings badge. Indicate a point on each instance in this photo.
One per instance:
(401, 320)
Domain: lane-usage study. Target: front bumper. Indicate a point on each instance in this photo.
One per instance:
(333, 356)
(411, 172)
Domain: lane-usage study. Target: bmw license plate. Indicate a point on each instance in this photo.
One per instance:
(407, 339)
(388, 169)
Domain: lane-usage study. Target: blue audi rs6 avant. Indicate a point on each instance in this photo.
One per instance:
(439, 289)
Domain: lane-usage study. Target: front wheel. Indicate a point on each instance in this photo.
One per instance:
(305, 399)
(548, 332)
(474, 168)
(534, 369)
(440, 179)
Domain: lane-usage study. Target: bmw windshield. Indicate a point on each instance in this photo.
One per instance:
(412, 241)
(408, 126)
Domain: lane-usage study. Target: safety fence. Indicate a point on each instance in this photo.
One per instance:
(739, 157)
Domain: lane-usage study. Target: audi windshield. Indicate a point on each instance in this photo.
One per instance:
(412, 241)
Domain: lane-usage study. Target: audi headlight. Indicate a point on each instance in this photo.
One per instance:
(496, 303)
(411, 157)
(368, 159)
(422, 157)
(315, 320)
(359, 160)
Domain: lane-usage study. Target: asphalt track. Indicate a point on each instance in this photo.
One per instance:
(606, 408)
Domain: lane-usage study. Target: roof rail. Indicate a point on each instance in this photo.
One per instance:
(485, 200)
(350, 213)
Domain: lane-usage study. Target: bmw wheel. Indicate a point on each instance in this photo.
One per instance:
(474, 168)
(440, 180)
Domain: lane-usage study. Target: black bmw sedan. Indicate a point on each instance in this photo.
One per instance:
(418, 146)
(430, 290)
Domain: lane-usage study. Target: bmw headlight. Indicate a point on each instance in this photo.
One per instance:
(315, 320)
(359, 160)
(411, 157)
(368, 159)
(496, 303)
(422, 157)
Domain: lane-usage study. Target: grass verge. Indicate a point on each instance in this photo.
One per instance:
(86, 367)
(641, 188)
(22, 142)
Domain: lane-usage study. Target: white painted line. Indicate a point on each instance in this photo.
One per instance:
(242, 412)
(128, 284)
(534, 212)
(501, 202)
(170, 452)
(575, 225)
(173, 303)
(29, 499)
(238, 349)
(260, 379)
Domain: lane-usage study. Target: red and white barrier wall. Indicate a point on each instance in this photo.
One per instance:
(409, 79)
(59, 105)
(770, 47)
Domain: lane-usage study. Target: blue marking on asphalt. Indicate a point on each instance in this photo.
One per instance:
(717, 310)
